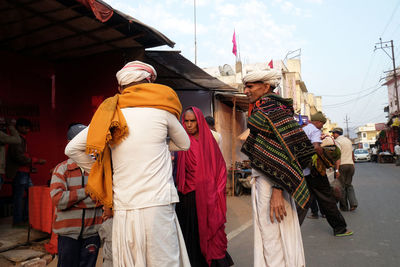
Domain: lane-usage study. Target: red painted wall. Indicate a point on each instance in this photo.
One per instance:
(26, 91)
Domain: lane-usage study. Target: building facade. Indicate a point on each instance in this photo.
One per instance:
(393, 96)
(366, 136)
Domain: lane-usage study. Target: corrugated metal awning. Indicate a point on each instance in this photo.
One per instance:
(63, 29)
(241, 100)
(178, 72)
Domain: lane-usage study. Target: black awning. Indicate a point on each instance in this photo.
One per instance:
(64, 29)
(180, 73)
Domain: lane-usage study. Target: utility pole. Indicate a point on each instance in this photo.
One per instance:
(383, 46)
(347, 120)
(195, 34)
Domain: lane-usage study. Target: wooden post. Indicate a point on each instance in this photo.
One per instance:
(233, 145)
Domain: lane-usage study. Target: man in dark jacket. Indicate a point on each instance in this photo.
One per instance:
(18, 167)
(6, 139)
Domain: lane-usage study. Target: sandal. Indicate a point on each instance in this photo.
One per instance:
(347, 233)
(353, 208)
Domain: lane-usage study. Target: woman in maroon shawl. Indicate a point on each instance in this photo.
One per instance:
(201, 179)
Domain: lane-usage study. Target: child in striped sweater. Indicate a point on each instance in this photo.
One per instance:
(78, 217)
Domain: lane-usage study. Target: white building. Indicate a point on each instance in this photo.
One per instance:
(366, 136)
(393, 97)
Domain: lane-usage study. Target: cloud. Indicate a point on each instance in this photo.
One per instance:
(162, 17)
(290, 8)
(314, 1)
(260, 36)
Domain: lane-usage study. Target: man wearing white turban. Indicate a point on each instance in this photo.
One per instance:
(133, 171)
(273, 147)
(136, 72)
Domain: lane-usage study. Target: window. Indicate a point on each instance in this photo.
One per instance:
(364, 135)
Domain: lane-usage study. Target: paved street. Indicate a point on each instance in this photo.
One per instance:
(376, 224)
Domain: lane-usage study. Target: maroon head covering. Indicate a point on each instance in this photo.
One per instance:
(207, 170)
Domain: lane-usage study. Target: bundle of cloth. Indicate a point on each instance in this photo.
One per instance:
(331, 154)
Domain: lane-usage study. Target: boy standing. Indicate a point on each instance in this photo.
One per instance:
(78, 217)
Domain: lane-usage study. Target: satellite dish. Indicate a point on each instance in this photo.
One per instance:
(228, 70)
(221, 71)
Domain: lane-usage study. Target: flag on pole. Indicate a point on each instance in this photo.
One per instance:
(234, 49)
(271, 64)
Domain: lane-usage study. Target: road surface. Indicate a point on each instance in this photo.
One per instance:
(376, 224)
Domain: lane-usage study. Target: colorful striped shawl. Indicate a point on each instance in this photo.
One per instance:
(278, 147)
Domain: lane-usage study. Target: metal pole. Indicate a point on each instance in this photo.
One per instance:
(233, 146)
(195, 34)
(395, 78)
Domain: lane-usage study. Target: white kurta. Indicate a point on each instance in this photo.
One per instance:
(275, 244)
(146, 231)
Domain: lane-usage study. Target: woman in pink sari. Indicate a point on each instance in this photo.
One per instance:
(201, 179)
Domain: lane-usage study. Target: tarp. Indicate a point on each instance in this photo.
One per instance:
(101, 11)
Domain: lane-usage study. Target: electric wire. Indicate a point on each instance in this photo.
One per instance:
(390, 19)
(352, 100)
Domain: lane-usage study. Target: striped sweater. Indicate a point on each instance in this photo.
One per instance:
(77, 215)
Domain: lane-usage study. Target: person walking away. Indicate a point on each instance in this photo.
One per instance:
(6, 139)
(19, 164)
(201, 180)
(374, 154)
(346, 170)
(273, 147)
(318, 182)
(132, 173)
(397, 153)
(78, 217)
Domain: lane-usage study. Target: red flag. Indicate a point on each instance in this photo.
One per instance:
(234, 49)
(271, 64)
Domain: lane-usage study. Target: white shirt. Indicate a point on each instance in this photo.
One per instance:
(346, 150)
(314, 134)
(142, 162)
(218, 138)
(397, 150)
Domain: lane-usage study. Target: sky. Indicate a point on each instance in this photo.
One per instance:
(336, 39)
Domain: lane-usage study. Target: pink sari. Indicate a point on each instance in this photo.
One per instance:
(208, 171)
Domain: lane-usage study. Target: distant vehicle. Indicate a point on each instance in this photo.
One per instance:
(361, 155)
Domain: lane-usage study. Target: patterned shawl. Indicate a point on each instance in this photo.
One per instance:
(278, 147)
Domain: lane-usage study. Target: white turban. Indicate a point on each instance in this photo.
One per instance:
(136, 71)
(272, 77)
(328, 141)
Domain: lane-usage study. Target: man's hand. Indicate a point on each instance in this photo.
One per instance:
(277, 205)
(107, 213)
(337, 174)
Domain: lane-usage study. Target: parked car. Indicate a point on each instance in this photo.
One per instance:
(361, 155)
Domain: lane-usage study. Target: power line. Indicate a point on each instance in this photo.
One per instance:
(355, 93)
(352, 100)
(391, 17)
(367, 120)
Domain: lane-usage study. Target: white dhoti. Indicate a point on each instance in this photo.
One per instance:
(148, 237)
(105, 233)
(275, 244)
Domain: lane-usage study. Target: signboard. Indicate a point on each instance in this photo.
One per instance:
(304, 119)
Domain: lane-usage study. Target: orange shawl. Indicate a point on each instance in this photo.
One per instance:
(109, 128)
